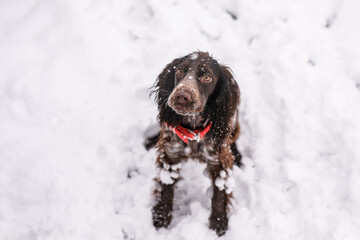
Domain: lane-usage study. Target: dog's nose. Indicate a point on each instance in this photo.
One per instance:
(182, 96)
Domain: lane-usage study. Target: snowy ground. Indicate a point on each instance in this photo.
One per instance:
(74, 79)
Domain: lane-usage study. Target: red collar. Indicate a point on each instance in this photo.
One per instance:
(186, 134)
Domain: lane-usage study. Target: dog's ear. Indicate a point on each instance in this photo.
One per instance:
(223, 104)
(162, 89)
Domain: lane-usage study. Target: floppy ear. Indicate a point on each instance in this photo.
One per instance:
(162, 89)
(223, 104)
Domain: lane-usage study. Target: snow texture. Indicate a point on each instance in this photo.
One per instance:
(166, 176)
(225, 181)
(74, 106)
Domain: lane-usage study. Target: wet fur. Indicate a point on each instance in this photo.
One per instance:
(217, 149)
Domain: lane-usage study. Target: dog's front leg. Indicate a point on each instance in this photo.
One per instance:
(162, 211)
(222, 184)
(164, 194)
(169, 165)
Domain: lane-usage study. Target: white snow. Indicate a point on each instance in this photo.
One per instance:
(220, 183)
(151, 130)
(174, 175)
(166, 166)
(166, 177)
(229, 185)
(225, 181)
(222, 174)
(176, 166)
(194, 56)
(74, 106)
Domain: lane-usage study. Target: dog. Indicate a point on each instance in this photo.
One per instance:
(197, 100)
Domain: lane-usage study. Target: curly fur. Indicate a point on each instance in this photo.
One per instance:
(220, 108)
(217, 149)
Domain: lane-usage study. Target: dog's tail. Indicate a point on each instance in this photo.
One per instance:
(152, 135)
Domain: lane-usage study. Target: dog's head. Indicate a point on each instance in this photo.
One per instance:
(195, 80)
(197, 85)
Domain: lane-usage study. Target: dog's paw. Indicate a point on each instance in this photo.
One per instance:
(161, 216)
(219, 224)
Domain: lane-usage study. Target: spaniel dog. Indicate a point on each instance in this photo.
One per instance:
(197, 101)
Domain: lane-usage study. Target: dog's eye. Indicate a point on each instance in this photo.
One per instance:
(179, 72)
(206, 78)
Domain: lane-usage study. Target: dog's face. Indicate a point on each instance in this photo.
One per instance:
(197, 88)
(195, 80)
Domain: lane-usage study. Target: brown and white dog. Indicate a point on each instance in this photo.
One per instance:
(197, 101)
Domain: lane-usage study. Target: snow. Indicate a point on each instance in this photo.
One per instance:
(166, 166)
(74, 108)
(222, 174)
(152, 130)
(220, 183)
(194, 56)
(176, 166)
(166, 177)
(225, 181)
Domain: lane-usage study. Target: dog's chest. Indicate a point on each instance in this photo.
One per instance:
(203, 150)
